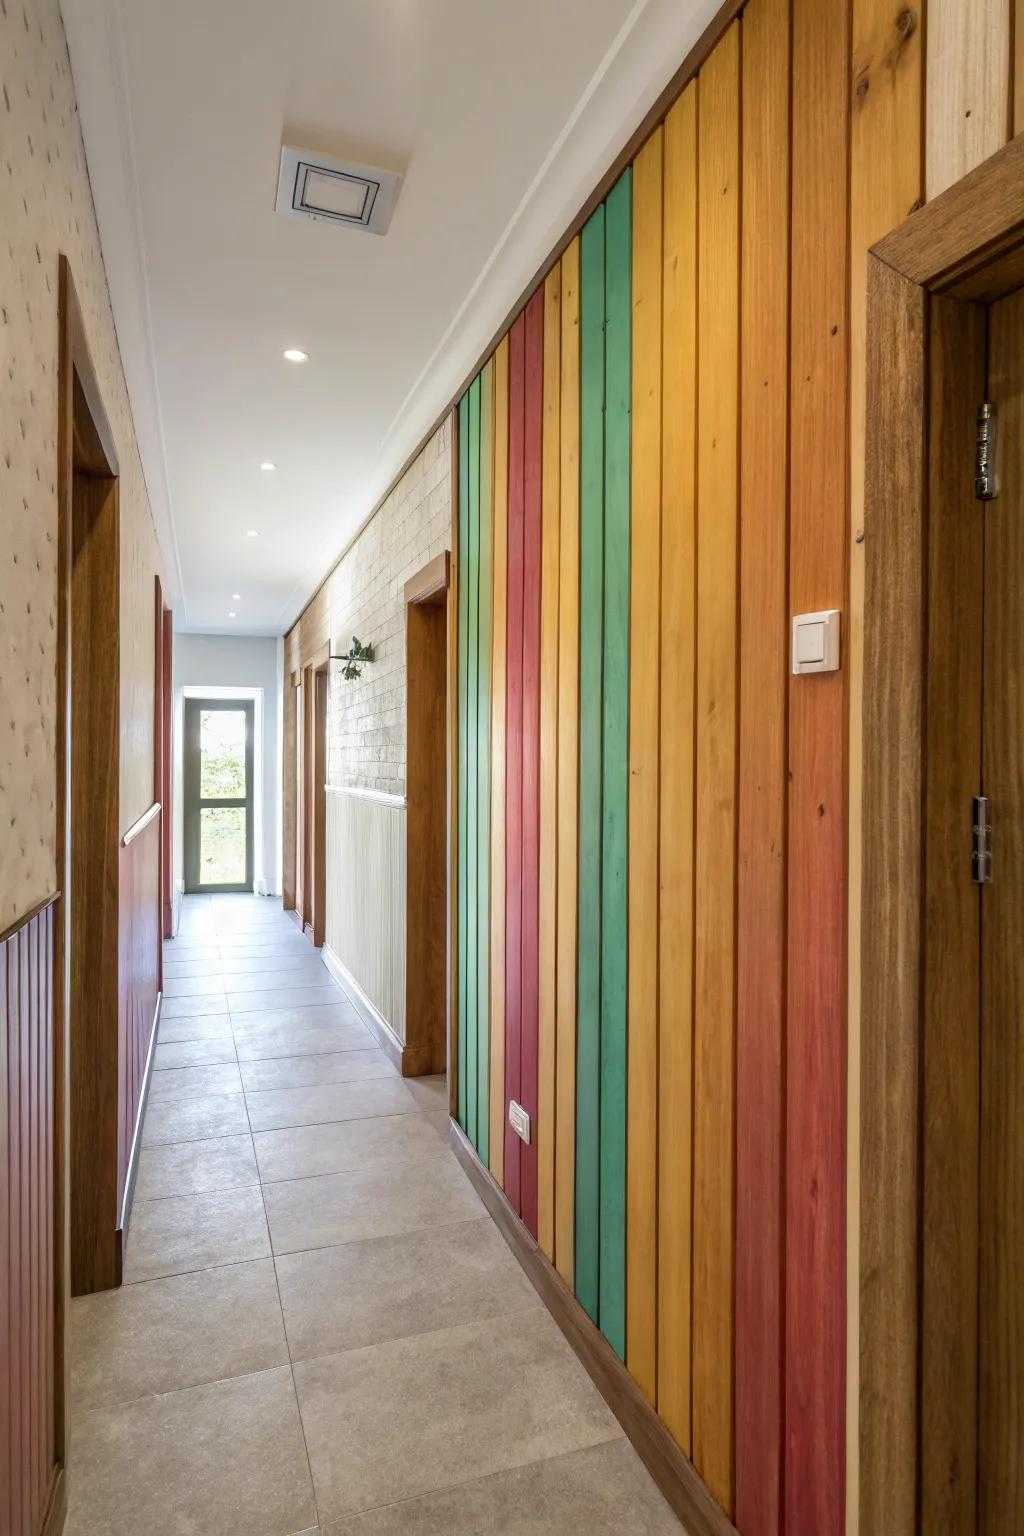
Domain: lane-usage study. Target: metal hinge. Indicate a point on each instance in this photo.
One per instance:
(981, 840)
(985, 487)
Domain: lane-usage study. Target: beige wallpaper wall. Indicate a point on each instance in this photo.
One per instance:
(45, 209)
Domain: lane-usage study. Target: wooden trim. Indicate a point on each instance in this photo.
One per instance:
(33, 912)
(688, 69)
(670, 1469)
(430, 581)
(140, 825)
(410, 1061)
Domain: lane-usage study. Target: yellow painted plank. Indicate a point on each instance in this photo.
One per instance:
(715, 876)
(970, 86)
(568, 759)
(886, 179)
(499, 555)
(548, 903)
(678, 656)
(644, 773)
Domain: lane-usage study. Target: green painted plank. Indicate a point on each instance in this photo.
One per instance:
(463, 577)
(588, 1047)
(615, 764)
(483, 807)
(473, 658)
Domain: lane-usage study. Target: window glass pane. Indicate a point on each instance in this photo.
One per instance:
(222, 845)
(222, 754)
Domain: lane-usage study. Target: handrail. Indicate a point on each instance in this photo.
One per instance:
(140, 825)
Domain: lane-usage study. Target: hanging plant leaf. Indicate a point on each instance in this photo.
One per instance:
(358, 653)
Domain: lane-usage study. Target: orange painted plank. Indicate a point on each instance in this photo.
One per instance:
(644, 769)
(568, 760)
(499, 556)
(677, 676)
(715, 879)
(548, 900)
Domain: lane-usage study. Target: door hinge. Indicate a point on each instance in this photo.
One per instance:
(981, 840)
(985, 487)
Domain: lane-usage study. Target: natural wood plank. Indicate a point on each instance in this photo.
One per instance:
(472, 572)
(548, 905)
(969, 87)
(895, 489)
(568, 761)
(615, 763)
(483, 750)
(761, 867)
(499, 621)
(644, 770)
(1001, 1215)
(588, 1064)
(716, 762)
(952, 959)
(1018, 66)
(886, 181)
(678, 659)
(514, 760)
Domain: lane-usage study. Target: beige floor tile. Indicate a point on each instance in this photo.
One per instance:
(391, 1287)
(602, 1491)
(170, 1237)
(286, 997)
(172, 1054)
(207, 965)
(194, 1119)
(370, 1202)
(189, 1007)
(296, 1040)
(305, 1150)
(194, 1082)
(167, 1334)
(471, 1400)
(279, 1107)
(242, 957)
(274, 1020)
(219, 1460)
(429, 1092)
(205, 1026)
(271, 977)
(190, 986)
(196, 1167)
(309, 1071)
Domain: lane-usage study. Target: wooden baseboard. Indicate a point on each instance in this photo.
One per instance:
(56, 1505)
(409, 1060)
(133, 1158)
(674, 1474)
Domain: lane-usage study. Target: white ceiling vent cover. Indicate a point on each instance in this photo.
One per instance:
(313, 186)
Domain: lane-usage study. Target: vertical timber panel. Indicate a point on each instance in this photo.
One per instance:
(716, 764)
(816, 991)
(514, 760)
(970, 87)
(644, 766)
(568, 760)
(588, 1058)
(499, 619)
(678, 656)
(615, 761)
(483, 770)
(532, 448)
(761, 867)
(548, 906)
(473, 739)
(463, 591)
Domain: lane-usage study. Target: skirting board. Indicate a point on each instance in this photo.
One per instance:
(674, 1474)
(410, 1061)
(133, 1158)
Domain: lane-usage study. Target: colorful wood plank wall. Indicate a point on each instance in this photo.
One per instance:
(674, 449)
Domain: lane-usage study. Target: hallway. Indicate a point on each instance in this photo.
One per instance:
(320, 1327)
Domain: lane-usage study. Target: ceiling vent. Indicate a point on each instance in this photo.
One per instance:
(315, 187)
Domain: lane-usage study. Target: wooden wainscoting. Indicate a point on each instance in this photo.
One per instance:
(31, 1483)
(139, 950)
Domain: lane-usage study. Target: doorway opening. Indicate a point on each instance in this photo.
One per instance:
(219, 795)
(313, 770)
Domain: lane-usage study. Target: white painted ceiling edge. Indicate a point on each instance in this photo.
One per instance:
(650, 46)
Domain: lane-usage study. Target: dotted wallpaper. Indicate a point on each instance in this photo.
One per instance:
(46, 209)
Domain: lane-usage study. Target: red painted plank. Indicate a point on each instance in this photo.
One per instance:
(514, 754)
(532, 442)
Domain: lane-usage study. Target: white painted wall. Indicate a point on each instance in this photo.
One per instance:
(252, 666)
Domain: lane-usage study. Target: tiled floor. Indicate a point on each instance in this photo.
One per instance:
(320, 1328)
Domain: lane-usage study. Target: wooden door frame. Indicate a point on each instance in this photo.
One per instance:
(967, 244)
(191, 705)
(318, 671)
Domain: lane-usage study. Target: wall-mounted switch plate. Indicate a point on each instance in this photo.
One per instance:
(815, 645)
(519, 1120)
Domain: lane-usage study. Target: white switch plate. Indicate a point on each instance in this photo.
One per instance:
(815, 641)
(519, 1120)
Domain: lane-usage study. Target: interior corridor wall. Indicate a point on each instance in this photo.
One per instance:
(658, 827)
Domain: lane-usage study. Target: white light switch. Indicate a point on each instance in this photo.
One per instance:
(815, 645)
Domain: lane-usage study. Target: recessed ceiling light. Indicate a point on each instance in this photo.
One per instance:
(232, 614)
(251, 533)
(236, 597)
(267, 467)
(295, 355)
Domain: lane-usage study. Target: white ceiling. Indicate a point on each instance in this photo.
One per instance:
(501, 118)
